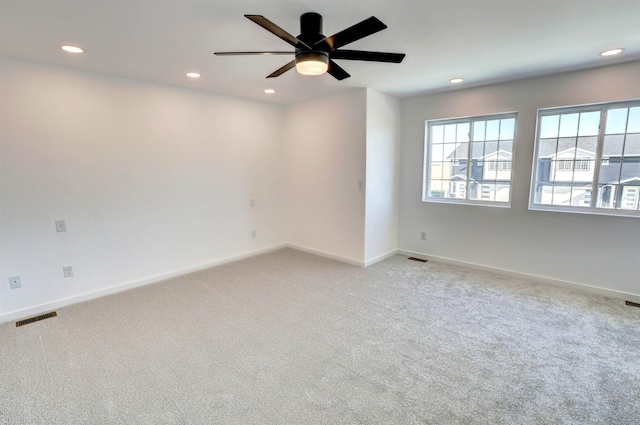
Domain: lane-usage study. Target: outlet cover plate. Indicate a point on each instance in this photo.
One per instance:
(14, 282)
(61, 226)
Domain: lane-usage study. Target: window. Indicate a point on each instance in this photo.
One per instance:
(587, 159)
(573, 165)
(469, 160)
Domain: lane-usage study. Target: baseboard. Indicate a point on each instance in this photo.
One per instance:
(19, 314)
(379, 258)
(627, 296)
(347, 260)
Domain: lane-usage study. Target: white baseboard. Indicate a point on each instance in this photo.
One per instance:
(327, 255)
(379, 258)
(20, 314)
(547, 280)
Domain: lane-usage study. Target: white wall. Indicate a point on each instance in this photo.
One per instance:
(151, 181)
(325, 158)
(383, 171)
(599, 251)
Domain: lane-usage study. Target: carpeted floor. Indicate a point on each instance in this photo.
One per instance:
(291, 338)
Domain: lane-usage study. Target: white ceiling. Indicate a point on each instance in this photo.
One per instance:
(483, 41)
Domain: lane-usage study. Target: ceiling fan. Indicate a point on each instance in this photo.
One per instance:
(315, 53)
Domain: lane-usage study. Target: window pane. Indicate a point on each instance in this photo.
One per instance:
(438, 188)
(487, 192)
(578, 195)
(458, 190)
(462, 151)
(630, 171)
(547, 147)
(505, 146)
(493, 130)
(507, 129)
(462, 132)
(490, 148)
(567, 144)
(634, 120)
(630, 196)
(616, 121)
(437, 134)
(632, 145)
(503, 193)
(478, 130)
(561, 195)
(612, 146)
(449, 150)
(587, 145)
(549, 126)
(439, 170)
(569, 125)
(589, 123)
(477, 150)
(437, 153)
(605, 197)
(450, 133)
(544, 194)
(609, 172)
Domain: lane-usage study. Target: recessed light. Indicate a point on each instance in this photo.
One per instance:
(72, 49)
(269, 91)
(612, 52)
(193, 75)
(456, 80)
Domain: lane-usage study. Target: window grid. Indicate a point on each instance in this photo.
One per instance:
(576, 186)
(485, 135)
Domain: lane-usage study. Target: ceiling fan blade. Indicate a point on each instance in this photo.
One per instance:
(356, 32)
(360, 55)
(274, 29)
(282, 70)
(252, 53)
(337, 72)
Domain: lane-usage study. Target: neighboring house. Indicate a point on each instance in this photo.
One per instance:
(489, 176)
(566, 170)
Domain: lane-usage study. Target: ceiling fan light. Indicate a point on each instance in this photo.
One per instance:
(312, 63)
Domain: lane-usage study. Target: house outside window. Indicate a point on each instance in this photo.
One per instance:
(469, 160)
(587, 159)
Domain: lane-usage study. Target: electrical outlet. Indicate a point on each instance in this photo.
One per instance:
(67, 271)
(14, 282)
(61, 226)
(423, 236)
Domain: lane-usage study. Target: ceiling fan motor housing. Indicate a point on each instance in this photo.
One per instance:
(311, 35)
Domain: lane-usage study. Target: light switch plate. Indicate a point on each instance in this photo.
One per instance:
(67, 271)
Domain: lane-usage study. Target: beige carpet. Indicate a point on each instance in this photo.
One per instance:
(291, 338)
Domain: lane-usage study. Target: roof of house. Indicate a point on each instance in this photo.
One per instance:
(612, 147)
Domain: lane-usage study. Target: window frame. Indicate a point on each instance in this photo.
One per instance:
(598, 161)
(426, 172)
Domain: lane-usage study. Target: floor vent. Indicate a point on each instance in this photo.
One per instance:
(35, 319)
(632, 304)
(417, 259)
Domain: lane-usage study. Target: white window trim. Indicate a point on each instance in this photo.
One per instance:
(592, 209)
(426, 161)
